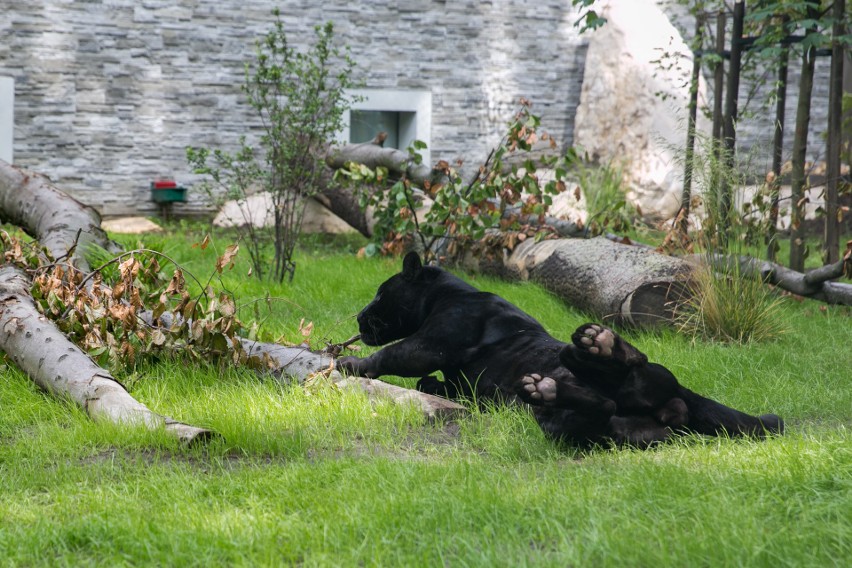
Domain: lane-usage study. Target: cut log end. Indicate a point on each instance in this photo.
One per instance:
(653, 303)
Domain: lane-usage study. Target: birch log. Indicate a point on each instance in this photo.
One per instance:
(48, 214)
(58, 366)
(299, 363)
(64, 226)
(397, 162)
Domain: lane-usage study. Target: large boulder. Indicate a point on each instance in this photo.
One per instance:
(633, 107)
(257, 210)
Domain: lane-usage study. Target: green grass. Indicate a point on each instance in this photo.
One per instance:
(323, 477)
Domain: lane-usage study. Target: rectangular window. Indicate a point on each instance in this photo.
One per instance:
(405, 116)
(364, 125)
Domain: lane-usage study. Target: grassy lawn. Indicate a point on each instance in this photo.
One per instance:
(323, 477)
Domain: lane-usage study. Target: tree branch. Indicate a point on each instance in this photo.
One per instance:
(814, 284)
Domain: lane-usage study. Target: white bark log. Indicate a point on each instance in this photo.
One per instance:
(299, 363)
(61, 223)
(48, 214)
(58, 366)
(397, 162)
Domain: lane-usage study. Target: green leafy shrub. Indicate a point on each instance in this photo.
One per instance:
(300, 101)
(507, 195)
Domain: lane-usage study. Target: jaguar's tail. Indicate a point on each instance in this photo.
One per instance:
(707, 416)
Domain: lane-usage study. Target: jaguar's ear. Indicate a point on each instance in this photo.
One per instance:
(411, 266)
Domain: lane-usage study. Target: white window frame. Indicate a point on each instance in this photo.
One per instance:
(418, 127)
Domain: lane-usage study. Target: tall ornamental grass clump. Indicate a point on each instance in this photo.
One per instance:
(724, 304)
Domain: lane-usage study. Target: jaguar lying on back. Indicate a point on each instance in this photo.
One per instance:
(597, 389)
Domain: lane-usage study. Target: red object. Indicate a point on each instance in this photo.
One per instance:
(164, 184)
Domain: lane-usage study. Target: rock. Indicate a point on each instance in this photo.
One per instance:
(318, 219)
(257, 211)
(566, 206)
(130, 225)
(632, 110)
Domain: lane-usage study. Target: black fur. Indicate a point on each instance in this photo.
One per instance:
(597, 389)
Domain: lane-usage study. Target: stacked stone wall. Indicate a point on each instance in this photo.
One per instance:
(110, 92)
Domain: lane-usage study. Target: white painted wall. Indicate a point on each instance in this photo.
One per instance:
(7, 117)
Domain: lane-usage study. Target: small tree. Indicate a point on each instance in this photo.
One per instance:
(300, 102)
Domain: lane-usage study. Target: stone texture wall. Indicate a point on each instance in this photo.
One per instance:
(110, 92)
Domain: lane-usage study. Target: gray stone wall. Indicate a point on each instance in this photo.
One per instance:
(110, 92)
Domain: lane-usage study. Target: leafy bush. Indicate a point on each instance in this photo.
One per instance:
(506, 194)
(300, 102)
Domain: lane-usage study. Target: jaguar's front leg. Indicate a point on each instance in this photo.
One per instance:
(410, 357)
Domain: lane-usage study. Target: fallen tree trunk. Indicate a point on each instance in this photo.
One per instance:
(58, 366)
(64, 226)
(397, 162)
(816, 284)
(617, 283)
(343, 203)
(300, 363)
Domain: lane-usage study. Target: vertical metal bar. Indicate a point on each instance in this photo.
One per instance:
(777, 149)
(686, 195)
(831, 244)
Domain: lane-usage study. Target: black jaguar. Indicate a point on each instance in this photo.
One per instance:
(596, 389)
